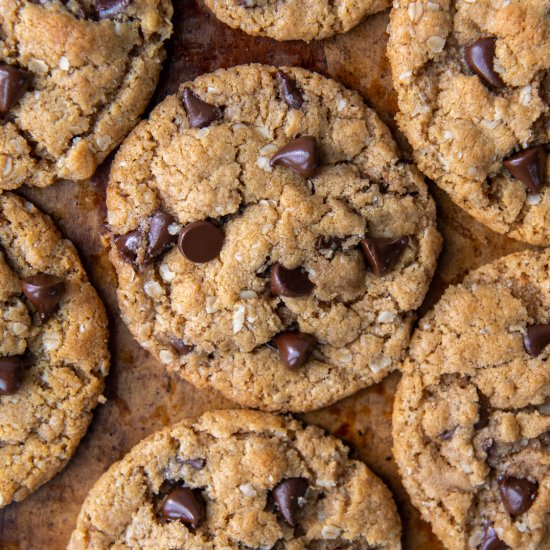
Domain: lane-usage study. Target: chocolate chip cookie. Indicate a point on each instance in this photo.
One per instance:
(473, 83)
(471, 418)
(238, 479)
(268, 240)
(75, 75)
(294, 19)
(53, 349)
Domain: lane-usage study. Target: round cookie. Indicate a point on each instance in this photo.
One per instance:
(75, 76)
(53, 350)
(294, 19)
(318, 242)
(471, 420)
(473, 87)
(238, 479)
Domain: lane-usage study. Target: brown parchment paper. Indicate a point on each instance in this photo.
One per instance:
(141, 397)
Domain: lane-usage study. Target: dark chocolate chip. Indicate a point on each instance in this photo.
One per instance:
(447, 435)
(201, 241)
(199, 113)
(299, 155)
(536, 339)
(44, 292)
(109, 8)
(196, 463)
(185, 505)
(180, 346)
(382, 253)
(11, 374)
(328, 243)
(528, 167)
(490, 540)
(480, 57)
(289, 91)
(517, 494)
(13, 84)
(286, 495)
(483, 407)
(159, 238)
(128, 245)
(294, 347)
(289, 282)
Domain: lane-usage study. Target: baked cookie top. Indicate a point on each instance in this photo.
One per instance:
(304, 242)
(53, 349)
(238, 479)
(294, 19)
(74, 78)
(473, 85)
(471, 428)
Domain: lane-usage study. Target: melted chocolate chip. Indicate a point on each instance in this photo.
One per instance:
(289, 282)
(185, 505)
(11, 374)
(289, 91)
(13, 84)
(199, 113)
(517, 494)
(490, 540)
(480, 57)
(44, 292)
(294, 347)
(299, 155)
(201, 241)
(528, 167)
(536, 338)
(180, 346)
(159, 237)
(109, 8)
(382, 253)
(482, 412)
(286, 495)
(128, 245)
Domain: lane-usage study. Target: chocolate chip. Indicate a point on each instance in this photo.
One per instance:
(517, 494)
(199, 113)
(383, 253)
(128, 245)
(201, 241)
(294, 347)
(299, 155)
(44, 292)
(185, 505)
(196, 463)
(13, 84)
(447, 435)
(159, 238)
(480, 57)
(11, 374)
(289, 91)
(528, 167)
(536, 338)
(482, 412)
(490, 540)
(180, 346)
(289, 282)
(286, 495)
(328, 243)
(108, 8)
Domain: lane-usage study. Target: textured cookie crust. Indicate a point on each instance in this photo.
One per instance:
(42, 423)
(245, 455)
(474, 405)
(294, 19)
(223, 308)
(91, 79)
(460, 129)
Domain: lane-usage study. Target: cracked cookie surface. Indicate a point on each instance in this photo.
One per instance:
(51, 371)
(233, 462)
(462, 128)
(87, 76)
(294, 19)
(216, 323)
(472, 412)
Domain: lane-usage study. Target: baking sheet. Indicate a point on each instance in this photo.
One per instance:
(141, 397)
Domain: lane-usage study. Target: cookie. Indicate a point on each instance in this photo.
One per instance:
(53, 349)
(473, 88)
(471, 420)
(238, 479)
(75, 76)
(268, 240)
(294, 19)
